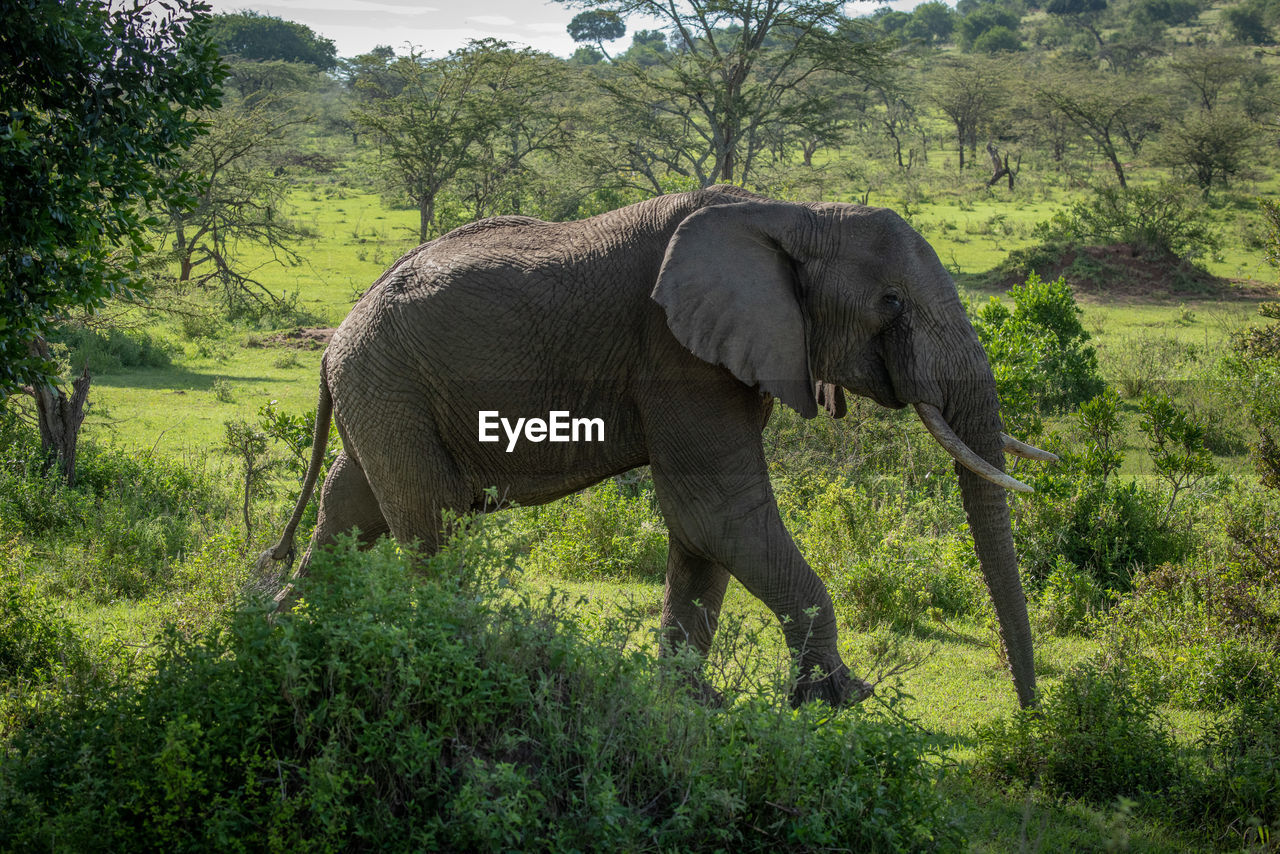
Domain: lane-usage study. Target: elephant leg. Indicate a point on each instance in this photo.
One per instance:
(692, 598)
(414, 492)
(346, 502)
(716, 497)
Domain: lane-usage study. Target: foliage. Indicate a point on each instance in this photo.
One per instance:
(1241, 789)
(1178, 449)
(1160, 221)
(1210, 147)
(79, 160)
(1081, 517)
(124, 528)
(110, 349)
(240, 200)
(435, 118)
(1039, 351)
(249, 448)
(1254, 365)
(737, 78)
(871, 552)
(425, 716)
(1093, 737)
(1068, 598)
(252, 35)
(601, 533)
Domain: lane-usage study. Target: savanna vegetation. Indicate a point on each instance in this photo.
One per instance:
(1099, 175)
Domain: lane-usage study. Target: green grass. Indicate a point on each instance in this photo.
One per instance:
(957, 682)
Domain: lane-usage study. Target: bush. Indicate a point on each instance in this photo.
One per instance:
(1093, 737)
(1159, 221)
(1068, 599)
(384, 715)
(1241, 786)
(1039, 351)
(1107, 529)
(600, 533)
(112, 349)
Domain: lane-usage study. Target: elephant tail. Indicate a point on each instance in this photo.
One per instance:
(284, 550)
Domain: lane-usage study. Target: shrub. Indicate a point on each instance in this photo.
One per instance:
(112, 349)
(386, 715)
(1039, 350)
(601, 533)
(1068, 599)
(1161, 221)
(1093, 737)
(1241, 785)
(1105, 528)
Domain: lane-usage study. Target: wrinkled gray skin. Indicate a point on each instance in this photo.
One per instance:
(676, 320)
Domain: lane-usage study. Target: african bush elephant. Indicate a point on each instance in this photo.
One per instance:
(669, 326)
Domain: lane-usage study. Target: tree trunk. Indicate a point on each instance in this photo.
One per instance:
(426, 212)
(60, 418)
(1000, 167)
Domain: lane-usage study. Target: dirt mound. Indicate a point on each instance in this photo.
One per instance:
(312, 338)
(1123, 271)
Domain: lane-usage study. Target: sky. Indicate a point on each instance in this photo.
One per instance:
(438, 26)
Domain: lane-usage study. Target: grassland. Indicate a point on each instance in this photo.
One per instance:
(955, 682)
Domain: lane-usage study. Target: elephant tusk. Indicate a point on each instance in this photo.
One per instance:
(955, 446)
(1027, 452)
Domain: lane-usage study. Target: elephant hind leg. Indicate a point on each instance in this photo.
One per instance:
(691, 599)
(346, 502)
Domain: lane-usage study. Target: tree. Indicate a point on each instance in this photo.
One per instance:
(932, 22)
(1209, 71)
(251, 35)
(240, 199)
(438, 116)
(597, 27)
(1084, 14)
(1105, 110)
(734, 70)
(1209, 146)
(970, 91)
(95, 101)
(984, 18)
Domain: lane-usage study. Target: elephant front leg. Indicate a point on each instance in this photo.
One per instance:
(724, 514)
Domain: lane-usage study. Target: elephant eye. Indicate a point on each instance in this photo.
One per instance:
(892, 302)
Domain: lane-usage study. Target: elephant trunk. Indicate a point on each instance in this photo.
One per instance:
(973, 412)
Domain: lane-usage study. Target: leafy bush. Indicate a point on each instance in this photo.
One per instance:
(600, 533)
(124, 525)
(1039, 351)
(1067, 599)
(1093, 737)
(1105, 528)
(1254, 366)
(112, 349)
(387, 715)
(1162, 221)
(1241, 786)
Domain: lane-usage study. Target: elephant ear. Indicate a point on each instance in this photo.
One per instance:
(730, 293)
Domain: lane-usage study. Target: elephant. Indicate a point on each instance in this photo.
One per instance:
(667, 330)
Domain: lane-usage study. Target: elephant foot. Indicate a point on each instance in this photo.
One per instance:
(836, 688)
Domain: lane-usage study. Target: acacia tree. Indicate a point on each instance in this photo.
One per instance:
(435, 116)
(240, 198)
(971, 91)
(1105, 111)
(95, 101)
(534, 109)
(736, 68)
